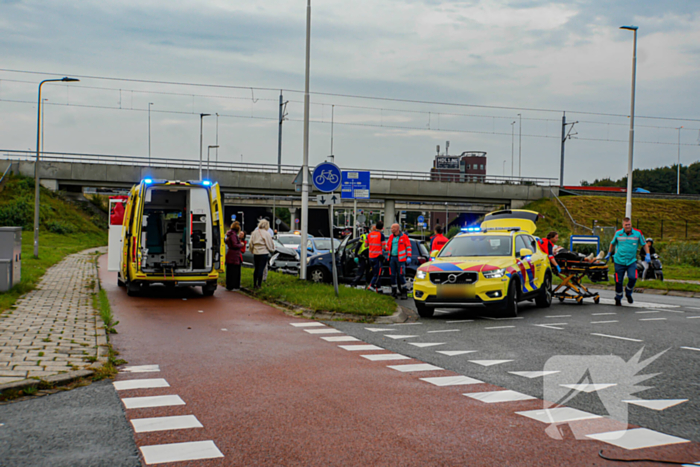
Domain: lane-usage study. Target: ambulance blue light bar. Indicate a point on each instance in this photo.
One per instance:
(471, 229)
(206, 182)
(147, 181)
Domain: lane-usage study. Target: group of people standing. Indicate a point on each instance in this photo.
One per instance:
(261, 246)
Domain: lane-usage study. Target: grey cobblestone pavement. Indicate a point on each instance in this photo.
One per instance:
(54, 328)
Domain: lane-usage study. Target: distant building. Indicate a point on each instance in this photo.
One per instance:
(470, 166)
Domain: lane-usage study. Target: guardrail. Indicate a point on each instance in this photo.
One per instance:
(265, 168)
(3, 180)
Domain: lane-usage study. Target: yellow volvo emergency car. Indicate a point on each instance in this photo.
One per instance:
(497, 264)
(172, 234)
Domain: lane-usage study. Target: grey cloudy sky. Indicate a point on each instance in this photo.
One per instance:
(515, 54)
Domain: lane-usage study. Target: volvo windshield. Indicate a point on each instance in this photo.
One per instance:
(477, 245)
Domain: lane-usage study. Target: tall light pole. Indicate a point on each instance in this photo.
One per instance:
(36, 163)
(217, 140)
(149, 133)
(201, 119)
(512, 148)
(43, 106)
(630, 156)
(209, 148)
(305, 164)
(678, 187)
(520, 147)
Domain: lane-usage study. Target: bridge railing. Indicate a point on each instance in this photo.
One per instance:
(227, 166)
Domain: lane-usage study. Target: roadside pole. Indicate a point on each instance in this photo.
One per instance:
(354, 219)
(335, 269)
(305, 165)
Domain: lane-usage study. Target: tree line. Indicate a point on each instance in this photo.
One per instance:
(658, 180)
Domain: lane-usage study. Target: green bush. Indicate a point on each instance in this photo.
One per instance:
(60, 227)
(20, 213)
(679, 253)
(454, 230)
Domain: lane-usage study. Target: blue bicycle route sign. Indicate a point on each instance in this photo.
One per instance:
(326, 177)
(421, 219)
(355, 185)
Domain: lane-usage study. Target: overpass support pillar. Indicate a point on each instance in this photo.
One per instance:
(389, 215)
(49, 184)
(517, 203)
(295, 214)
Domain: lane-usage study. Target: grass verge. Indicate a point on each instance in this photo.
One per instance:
(318, 297)
(101, 304)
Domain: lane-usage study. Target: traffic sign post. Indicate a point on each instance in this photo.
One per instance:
(328, 199)
(355, 185)
(326, 177)
(333, 252)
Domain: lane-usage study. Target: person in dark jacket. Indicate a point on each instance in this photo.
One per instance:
(234, 257)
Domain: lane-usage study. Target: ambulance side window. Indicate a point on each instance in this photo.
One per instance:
(533, 243)
(520, 244)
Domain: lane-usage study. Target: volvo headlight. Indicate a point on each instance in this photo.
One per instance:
(495, 274)
(421, 274)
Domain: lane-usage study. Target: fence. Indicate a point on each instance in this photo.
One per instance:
(658, 229)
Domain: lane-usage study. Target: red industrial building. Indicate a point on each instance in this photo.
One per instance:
(470, 166)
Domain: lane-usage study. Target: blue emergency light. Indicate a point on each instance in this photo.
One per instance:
(206, 182)
(147, 181)
(470, 229)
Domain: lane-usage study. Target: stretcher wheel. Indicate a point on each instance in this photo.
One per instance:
(561, 299)
(596, 299)
(579, 300)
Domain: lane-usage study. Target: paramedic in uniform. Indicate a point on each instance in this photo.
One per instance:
(626, 242)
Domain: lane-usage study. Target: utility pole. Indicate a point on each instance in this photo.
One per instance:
(332, 119)
(283, 114)
(201, 126)
(43, 105)
(520, 144)
(149, 133)
(217, 141)
(512, 149)
(630, 155)
(305, 163)
(678, 187)
(564, 137)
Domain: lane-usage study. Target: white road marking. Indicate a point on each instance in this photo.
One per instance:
(452, 353)
(140, 369)
(178, 422)
(637, 438)
(646, 312)
(380, 329)
(602, 314)
(674, 311)
(690, 348)
(451, 380)
(385, 356)
(306, 325)
(656, 404)
(140, 384)
(444, 330)
(398, 337)
(653, 319)
(532, 374)
(360, 347)
(322, 331)
(426, 344)
(415, 367)
(460, 321)
(179, 452)
(224, 329)
(693, 317)
(441, 312)
(406, 324)
(499, 396)
(500, 327)
(489, 362)
(616, 337)
(558, 316)
(604, 322)
(558, 415)
(339, 338)
(499, 319)
(692, 307)
(151, 401)
(588, 388)
(610, 301)
(551, 325)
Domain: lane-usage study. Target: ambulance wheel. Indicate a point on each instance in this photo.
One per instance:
(120, 283)
(544, 297)
(510, 310)
(423, 310)
(208, 290)
(132, 288)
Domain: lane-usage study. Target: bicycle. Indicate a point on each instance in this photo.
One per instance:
(326, 175)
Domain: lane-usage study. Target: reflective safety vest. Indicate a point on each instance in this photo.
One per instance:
(438, 242)
(546, 246)
(375, 244)
(404, 246)
(363, 244)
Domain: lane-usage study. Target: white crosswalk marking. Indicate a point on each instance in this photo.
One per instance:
(178, 422)
(180, 452)
(140, 384)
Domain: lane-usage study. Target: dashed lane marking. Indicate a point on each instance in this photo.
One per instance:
(646, 312)
(637, 438)
(451, 380)
(406, 324)
(656, 404)
(610, 301)
(322, 331)
(415, 367)
(558, 415)
(398, 337)
(426, 344)
(558, 316)
(178, 422)
(140, 369)
(444, 330)
(551, 325)
(224, 329)
(532, 374)
(616, 337)
(179, 452)
(604, 322)
(489, 362)
(693, 317)
(588, 388)
(602, 314)
(306, 325)
(499, 327)
(340, 339)
(360, 347)
(380, 329)
(492, 397)
(692, 307)
(151, 401)
(452, 353)
(499, 319)
(385, 356)
(460, 321)
(690, 348)
(674, 311)
(653, 319)
(140, 384)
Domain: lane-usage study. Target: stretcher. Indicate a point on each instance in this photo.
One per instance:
(572, 273)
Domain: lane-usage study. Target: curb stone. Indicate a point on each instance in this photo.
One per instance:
(673, 293)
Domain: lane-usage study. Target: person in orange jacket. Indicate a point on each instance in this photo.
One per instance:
(376, 242)
(399, 248)
(438, 240)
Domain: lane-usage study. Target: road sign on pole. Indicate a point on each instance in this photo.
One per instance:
(328, 199)
(420, 219)
(326, 177)
(355, 185)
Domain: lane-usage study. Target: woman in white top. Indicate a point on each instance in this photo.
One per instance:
(261, 245)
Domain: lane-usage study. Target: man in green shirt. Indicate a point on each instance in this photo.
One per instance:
(626, 242)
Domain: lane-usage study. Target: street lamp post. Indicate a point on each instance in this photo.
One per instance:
(630, 156)
(209, 148)
(512, 148)
(305, 163)
(149, 133)
(43, 106)
(201, 119)
(520, 147)
(678, 187)
(36, 163)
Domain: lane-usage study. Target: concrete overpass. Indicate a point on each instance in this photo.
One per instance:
(74, 171)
